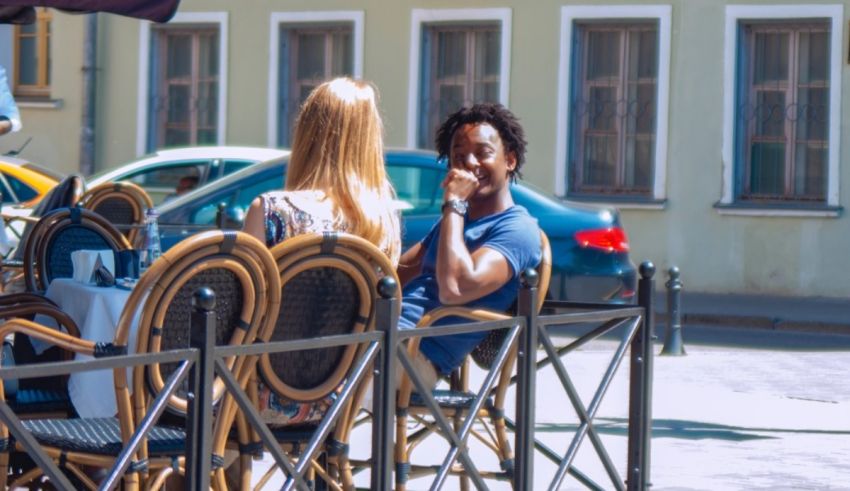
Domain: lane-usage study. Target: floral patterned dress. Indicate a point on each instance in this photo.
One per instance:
(287, 214)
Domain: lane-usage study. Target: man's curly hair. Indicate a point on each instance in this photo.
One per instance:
(497, 116)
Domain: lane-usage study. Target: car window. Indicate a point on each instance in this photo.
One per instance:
(237, 195)
(418, 186)
(166, 176)
(162, 182)
(22, 191)
(231, 166)
(8, 197)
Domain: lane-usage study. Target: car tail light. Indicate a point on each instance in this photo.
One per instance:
(611, 239)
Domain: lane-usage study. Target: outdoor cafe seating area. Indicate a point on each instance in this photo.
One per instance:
(152, 379)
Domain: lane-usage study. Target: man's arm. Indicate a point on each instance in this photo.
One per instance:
(10, 117)
(410, 264)
(463, 276)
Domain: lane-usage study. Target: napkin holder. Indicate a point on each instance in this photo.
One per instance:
(127, 264)
(87, 262)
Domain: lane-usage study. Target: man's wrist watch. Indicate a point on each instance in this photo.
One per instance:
(458, 206)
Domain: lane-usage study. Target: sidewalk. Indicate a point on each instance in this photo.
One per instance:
(724, 418)
(801, 314)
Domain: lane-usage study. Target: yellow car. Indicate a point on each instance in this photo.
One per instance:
(23, 183)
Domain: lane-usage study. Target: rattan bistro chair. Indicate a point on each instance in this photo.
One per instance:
(57, 234)
(122, 203)
(329, 284)
(456, 402)
(235, 265)
(65, 194)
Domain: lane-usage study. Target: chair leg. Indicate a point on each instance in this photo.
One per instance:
(4, 468)
(402, 459)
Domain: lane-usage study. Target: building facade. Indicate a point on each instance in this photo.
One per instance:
(714, 126)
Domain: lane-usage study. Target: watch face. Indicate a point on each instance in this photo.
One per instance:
(458, 206)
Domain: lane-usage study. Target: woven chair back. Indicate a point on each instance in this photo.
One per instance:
(64, 195)
(57, 234)
(484, 354)
(237, 267)
(328, 288)
(122, 203)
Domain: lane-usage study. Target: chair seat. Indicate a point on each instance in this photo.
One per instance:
(100, 436)
(294, 433)
(449, 399)
(34, 401)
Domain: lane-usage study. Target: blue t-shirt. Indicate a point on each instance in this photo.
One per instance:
(515, 234)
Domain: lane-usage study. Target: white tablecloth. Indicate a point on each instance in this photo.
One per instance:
(96, 311)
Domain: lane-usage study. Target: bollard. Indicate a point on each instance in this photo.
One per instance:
(673, 343)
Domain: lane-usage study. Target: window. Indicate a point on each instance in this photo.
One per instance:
(22, 191)
(461, 68)
(185, 107)
(309, 55)
(32, 56)
(783, 112)
(460, 57)
(161, 182)
(419, 187)
(182, 94)
(613, 98)
(614, 109)
(308, 48)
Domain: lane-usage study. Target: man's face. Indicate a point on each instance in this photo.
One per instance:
(478, 149)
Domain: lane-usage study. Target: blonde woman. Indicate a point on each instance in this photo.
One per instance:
(335, 181)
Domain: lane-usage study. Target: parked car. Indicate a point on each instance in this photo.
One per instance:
(24, 183)
(168, 173)
(590, 249)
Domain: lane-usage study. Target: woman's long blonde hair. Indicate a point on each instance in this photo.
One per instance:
(338, 148)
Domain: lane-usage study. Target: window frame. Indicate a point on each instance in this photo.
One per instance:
(181, 20)
(420, 20)
(736, 16)
(574, 15)
(281, 19)
(42, 35)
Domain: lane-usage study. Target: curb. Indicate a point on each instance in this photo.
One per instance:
(759, 322)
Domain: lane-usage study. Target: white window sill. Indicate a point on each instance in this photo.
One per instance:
(39, 104)
(625, 204)
(767, 211)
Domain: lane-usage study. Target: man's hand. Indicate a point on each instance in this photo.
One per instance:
(459, 184)
(5, 125)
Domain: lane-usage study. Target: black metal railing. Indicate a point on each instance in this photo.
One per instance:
(203, 361)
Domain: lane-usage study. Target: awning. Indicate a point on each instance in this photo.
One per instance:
(23, 12)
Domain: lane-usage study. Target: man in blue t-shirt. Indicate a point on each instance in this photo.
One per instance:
(476, 253)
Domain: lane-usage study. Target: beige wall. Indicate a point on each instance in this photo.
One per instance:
(802, 256)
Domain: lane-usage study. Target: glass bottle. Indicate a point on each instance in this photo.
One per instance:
(153, 248)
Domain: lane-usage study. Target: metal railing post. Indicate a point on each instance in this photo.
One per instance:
(383, 395)
(640, 387)
(199, 410)
(523, 476)
(673, 343)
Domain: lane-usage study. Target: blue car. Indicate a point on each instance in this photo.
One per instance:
(590, 250)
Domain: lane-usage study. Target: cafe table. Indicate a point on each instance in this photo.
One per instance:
(96, 311)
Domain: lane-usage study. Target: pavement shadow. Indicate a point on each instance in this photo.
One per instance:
(719, 335)
(665, 428)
